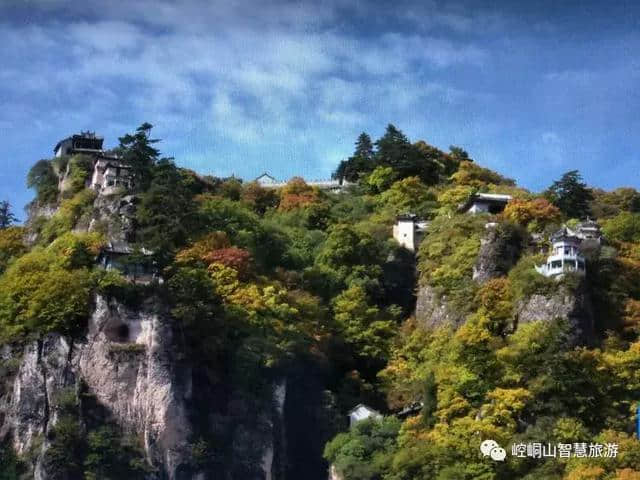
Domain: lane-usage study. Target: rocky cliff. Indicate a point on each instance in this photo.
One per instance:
(130, 362)
(501, 247)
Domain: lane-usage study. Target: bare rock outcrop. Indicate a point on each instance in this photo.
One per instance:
(569, 304)
(127, 361)
(500, 249)
(432, 309)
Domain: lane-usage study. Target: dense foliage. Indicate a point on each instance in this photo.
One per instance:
(297, 283)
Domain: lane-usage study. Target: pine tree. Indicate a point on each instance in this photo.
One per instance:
(360, 163)
(394, 150)
(6, 215)
(571, 195)
(137, 151)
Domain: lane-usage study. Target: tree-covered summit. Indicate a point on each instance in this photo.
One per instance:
(309, 285)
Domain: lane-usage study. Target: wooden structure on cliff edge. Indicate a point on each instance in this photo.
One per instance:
(110, 174)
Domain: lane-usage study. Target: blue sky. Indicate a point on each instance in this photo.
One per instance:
(531, 89)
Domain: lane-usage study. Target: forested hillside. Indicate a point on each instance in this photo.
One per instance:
(300, 287)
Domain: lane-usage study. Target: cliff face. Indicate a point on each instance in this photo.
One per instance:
(131, 362)
(127, 361)
(500, 248)
(432, 308)
(571, 305)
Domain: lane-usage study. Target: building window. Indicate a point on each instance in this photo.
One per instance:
(570, 263)
(556, 264)
(580, 265)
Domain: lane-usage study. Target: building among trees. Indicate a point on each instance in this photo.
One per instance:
(362, 412)
(109, 174)
(493, 203)
(268, 181)
(84, 142)
(409, 230)
(565, 254)
(109, 171)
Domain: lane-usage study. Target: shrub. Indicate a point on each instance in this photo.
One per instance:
(11, 245)
(44, 180)
(80, 169)
(68, 215)
(535, 214)
(526, 281)
(624, 227)
(44, 291)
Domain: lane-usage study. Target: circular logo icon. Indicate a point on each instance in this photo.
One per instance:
(498, 454)
(487, 445)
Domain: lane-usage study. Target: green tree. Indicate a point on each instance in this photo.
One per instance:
(360, 163)
(137, 151)
(409, 195)
(624, 227)
(354, 256)
(381, 179)
(571, 195)
(46, 290)
(44, 180)
(167, 212)
(362, 324)
(394, 150)
(6, 215)
(366, 451)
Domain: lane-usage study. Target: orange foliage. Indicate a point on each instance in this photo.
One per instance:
(586, 472)
(297, 194)
(538, 210)
(627, 474)
(232, 257)
(199, 251)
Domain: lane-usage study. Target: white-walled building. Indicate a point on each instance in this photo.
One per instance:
(362, 412)
(409, 231)
(493, 203)
(268, 181)
(565, 255)
(589, 230)
(110, 174)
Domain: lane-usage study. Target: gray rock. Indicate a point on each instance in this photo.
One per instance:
(432, 309)
(500, 249)
(127, 360)
(572, 306)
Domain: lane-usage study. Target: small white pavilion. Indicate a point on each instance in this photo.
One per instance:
(565, 255)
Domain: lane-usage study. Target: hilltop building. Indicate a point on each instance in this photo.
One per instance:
(409, 230)
(335, 186)
(109, 172)
(362, 412)
(84, 142)
(266, 180)
(493, 203)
